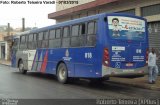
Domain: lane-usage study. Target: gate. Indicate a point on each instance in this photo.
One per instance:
(154, 37)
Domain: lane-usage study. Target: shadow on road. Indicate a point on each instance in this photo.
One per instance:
(78, 83)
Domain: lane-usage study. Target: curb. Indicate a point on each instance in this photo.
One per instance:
(5, 64)
(137, 85)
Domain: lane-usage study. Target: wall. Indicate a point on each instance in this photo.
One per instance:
(60, 7)
(113, 7)
(1, 37)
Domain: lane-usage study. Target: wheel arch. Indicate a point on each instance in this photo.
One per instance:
(59, 64)
(19, 61)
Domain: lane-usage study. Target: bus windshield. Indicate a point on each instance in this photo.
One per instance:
(126, 28)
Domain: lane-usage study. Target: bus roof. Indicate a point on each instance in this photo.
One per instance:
(79, 20)
(70, 22)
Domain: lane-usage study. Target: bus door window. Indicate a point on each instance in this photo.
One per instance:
(65, 37)
(15, 44)
(91, 33)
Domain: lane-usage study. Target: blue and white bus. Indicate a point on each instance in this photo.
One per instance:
(96, 47)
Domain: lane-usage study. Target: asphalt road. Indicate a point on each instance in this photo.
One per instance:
(45, 86)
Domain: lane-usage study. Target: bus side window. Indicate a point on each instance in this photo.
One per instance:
(65, 37)
(26, 42)
(58, 38)
(40, 38)
(20, 44)
(82, 34)
(30, 41)
(45, 41)
(35, 41)
(75, 42)
(23, 42)
(52, 36)
(55, 38)
(91, 33)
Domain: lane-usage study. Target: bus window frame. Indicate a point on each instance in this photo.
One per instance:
(68, 36)
(94, 32)
(24, 43)
(71, 36)
(30, 42)
(35, 41)
(40, 40)
(44, 39)
(55, 38)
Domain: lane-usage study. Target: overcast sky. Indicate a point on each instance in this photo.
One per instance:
(34, 14)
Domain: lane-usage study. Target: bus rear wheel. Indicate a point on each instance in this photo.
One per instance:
(62, 73)
(21, 67)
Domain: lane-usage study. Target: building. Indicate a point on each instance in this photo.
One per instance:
(3, 50)
(149, 9)
(6, 38)
(6, 41)
(1, 37)
(3, 44)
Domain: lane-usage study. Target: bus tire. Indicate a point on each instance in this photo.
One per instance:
(21, 67)
(62, 73)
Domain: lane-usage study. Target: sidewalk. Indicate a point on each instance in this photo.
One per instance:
(4, 62)
(141, 82)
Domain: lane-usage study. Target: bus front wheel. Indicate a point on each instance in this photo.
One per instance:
(62, 73)
(21, 67)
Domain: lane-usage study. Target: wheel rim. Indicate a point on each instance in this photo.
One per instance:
(62, 73)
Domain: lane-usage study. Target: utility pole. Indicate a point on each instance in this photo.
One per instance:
(23, 24)
(8, 29)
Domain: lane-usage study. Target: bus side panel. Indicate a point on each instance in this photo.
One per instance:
(48, 60)
(22, 55)
(31, 56)
(80, 62)
(51, 67)
(13, 57)
(71, 70)
(84, 61)
(40, 59)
